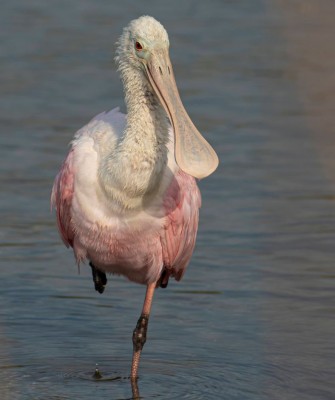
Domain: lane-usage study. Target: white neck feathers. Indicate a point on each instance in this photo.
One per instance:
(135, 167)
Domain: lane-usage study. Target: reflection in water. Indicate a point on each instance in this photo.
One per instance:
(134, 388)
(98, 376)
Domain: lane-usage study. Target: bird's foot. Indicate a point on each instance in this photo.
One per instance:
(164, 279)
(99, 279)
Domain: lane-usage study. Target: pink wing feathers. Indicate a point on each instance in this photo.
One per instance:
(61, 198)
(182, 203)
(109, 123)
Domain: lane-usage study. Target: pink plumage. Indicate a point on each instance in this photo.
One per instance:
(61, 199)
(161, 236)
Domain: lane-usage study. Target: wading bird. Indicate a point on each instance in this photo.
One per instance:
(126, 197)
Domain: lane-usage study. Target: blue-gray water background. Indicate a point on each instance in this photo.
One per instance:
(254, 316)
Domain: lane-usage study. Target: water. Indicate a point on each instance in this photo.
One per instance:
(253, 317)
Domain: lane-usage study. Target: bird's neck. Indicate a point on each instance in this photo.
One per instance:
(140, 157)
(146, 131)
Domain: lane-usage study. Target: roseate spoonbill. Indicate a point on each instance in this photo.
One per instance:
(126, 196)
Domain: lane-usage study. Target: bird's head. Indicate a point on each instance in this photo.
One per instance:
(144, 45)
(139, 40)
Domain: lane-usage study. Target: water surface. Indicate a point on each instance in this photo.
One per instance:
(253, 317)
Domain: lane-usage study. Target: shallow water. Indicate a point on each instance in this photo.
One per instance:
(253, 317)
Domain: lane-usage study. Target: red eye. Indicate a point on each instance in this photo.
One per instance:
(138, 46)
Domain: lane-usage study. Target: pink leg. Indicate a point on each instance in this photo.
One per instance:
(140, 332)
